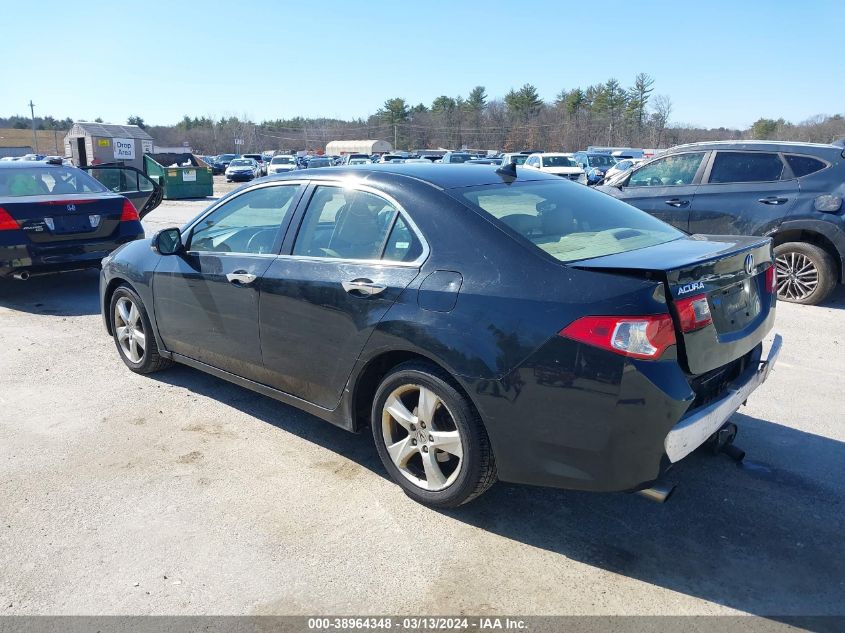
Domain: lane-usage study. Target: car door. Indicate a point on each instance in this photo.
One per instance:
(665, 187)
(743, 193)
(206, 298)
(354, 253)
(144, 194)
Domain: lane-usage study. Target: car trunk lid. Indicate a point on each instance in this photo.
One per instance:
(73, 216)
(729, 271)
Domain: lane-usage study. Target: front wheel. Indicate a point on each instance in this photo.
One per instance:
(430, 438)
(133, 334)
(805, 273)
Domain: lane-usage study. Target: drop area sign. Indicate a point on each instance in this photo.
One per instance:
(124, 148)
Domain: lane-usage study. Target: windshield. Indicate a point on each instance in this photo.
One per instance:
(601, 160)
(558, 161)
(41, 181)
(225, 157)
(519, 159)
(460, 158)
(241, 162)
(282, 160)
(568, 221)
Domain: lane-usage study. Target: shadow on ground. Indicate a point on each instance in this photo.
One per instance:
(836, 299)
(763, 537)
(64, 294)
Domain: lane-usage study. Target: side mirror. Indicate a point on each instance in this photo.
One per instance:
(167, 242)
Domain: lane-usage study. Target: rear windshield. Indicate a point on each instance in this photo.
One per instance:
(558, 161)
(46, 181)
(601, 160)
(569, 221)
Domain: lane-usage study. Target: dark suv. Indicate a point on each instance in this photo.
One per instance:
(791, 192)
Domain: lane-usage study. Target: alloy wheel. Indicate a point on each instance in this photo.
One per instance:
(797, 276)
(421, 437)
(129, 327)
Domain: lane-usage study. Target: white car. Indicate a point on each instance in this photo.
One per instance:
(243, 169)
(622, 165)
(560, 164)
(281, 163)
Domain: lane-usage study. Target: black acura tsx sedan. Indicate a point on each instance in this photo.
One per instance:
(484, 323)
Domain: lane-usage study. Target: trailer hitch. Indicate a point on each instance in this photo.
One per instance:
(722, 441)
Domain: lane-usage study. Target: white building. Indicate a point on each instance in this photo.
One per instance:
(339, 148)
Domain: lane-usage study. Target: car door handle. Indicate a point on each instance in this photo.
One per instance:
(773, 200)
(240, 278)
(677, 202)
(364, 287)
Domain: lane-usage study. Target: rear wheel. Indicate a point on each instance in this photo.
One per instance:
(430, 438)
(805, 273)
(133, 333)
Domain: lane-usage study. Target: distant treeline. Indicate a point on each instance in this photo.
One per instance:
(604, 114)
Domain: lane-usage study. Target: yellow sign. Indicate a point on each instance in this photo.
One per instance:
(172, 172)
(103, 142)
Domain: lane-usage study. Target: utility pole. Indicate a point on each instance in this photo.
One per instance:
(34, 137)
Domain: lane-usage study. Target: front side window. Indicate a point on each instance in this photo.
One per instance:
(679, 169)
(351, 224)
(249, 223)
(746, 167)
(569, 223)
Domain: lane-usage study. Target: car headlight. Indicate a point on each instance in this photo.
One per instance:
(828, 203)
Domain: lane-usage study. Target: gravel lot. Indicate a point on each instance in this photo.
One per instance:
(179, 493)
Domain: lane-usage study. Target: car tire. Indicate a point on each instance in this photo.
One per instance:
(133, 334)
(416, 459)
(806, 273)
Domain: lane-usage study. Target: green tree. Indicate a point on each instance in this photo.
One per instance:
(638, 96)
(524, 102)
(98, 120)
(477, 99)
(136, 120)
(443, 104)
(395, 112)
(764, 128)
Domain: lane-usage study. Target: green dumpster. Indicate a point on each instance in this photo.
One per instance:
(180, 175)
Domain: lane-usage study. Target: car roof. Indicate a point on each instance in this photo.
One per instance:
(441, 176)
(24, 164)
(567, 154)
(771, 146)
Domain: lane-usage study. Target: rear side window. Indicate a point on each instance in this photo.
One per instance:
(351, 224)
(41, 181)
(568, 221)
(804, 165)
(746, 167)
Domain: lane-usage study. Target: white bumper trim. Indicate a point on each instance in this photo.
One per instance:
(693, 431)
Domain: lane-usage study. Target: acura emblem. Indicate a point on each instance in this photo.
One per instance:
(71, 207)
(749, 264)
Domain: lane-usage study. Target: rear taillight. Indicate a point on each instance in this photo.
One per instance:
(771, 279)
(693, 313)
(638, 337)
(129, 213)
(7, 222)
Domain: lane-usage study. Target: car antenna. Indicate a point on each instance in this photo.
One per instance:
(508, 172)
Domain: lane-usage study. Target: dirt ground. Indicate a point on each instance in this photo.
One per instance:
(179, 493)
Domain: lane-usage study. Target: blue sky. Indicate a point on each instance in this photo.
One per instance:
(722, 63)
